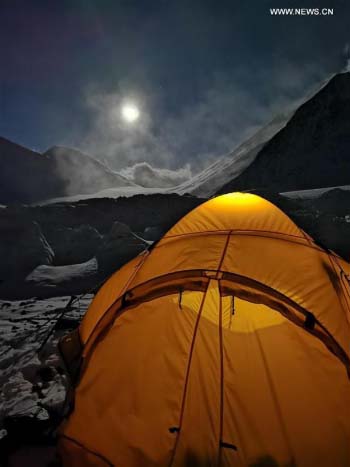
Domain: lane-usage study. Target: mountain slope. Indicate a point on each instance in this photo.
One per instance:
(27, 176)
(82, 173)
(311, 151)
(228, 167)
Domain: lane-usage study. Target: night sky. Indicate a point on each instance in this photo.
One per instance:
(205, 74)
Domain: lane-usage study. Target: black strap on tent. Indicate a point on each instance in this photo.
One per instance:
(180, 297)
(310, 321)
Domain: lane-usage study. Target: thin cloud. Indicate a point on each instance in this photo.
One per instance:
(226, 113)
(145, 175)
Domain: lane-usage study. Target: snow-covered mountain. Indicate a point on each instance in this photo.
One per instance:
(311, 151)
(83, 173)
(229, 167)
(27, 176)
(63, 173)
(304, 148)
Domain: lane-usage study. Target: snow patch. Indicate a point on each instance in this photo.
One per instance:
(314, 193)
(33, 383)
(56, 275)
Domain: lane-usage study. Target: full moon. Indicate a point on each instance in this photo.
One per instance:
(130, 113)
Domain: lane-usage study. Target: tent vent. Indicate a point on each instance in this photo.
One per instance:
(125, 299)
(174, 429)
(228, 445)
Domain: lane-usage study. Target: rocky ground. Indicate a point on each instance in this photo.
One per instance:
(32, 377)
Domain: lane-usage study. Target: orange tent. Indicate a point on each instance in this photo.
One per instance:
(227, 344)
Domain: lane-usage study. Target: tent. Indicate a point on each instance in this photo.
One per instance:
(226, 344)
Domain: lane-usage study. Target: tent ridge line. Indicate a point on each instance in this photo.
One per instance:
(223, 232)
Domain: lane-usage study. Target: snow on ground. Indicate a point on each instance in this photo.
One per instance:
(199, 185)
(312, 194)
(32, 382)
(127, 192)
(56, 275)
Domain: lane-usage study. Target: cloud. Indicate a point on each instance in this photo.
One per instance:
(116, 142)
(147, 176)
(227, 109)
(233, 107)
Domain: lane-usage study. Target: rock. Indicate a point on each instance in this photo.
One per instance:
(54, 395)
(119, 247)
(73, 245)
(51, 281)
(30, 368)
(153, 233)
(19, 399)
(23, 247)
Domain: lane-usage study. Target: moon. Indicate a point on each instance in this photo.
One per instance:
(130, 113)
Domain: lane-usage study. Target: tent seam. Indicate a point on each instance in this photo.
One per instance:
(188, 369)
(253, 233)
(221, 379)
(81, 445)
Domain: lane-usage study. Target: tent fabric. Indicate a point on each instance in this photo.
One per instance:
(226, 344)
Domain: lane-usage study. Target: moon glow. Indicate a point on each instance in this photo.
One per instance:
(130, 113)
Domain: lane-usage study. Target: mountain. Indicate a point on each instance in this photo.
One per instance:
(226, 168)
(229, 167)
(311, 151)
(304, 148)
(27, 176)
(82, 173)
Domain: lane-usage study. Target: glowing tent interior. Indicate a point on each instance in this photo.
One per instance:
(227, 343)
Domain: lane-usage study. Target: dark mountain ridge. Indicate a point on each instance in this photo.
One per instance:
(311, 151)
(25, 175)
